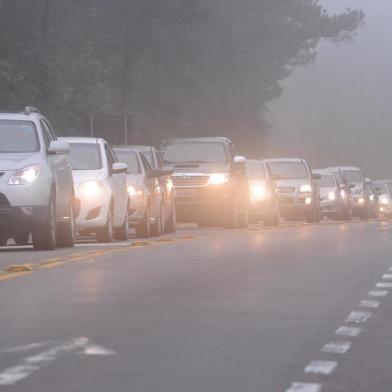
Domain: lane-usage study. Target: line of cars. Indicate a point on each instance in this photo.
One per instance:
(55, 188)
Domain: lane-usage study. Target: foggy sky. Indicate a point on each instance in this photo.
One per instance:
(338, 110)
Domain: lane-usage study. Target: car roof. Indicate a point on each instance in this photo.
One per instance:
(324, 172)
(197, 139)
(294, 160)
(20, 116)
(83, 140)
(342, 168)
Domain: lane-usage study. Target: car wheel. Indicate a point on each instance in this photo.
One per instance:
(230, 217)
(158, 228)
(105, 235)
(22, 237)
(122, 233)
(66, 231)
(143, 229)
(45, 234)
(170, 225)
(243, 218)
(3, 241)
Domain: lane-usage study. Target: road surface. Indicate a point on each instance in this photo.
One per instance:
(296, 308)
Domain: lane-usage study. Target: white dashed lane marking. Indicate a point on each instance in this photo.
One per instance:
(358, 317)
(387, 276)
(321, 367)
(369, 304)
(352, 332)
(304, 387)
(384, 285)
(336, 347)
(378, 293)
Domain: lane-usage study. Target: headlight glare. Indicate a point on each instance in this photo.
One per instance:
(343, 194)
(384, 200)
(90, 189)
(361, 200)
(305, 188)
(133, 192)
(25, 176)
(331, 196)
(258, 191)
(218, 178)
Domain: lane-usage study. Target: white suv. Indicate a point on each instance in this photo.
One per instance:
(100, 189)
(36, 188)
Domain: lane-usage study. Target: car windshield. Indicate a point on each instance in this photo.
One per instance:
(18, 137)
(194, 152)
(288, 170)
(327, 181)
(130, 158)
(255, 170)
(353, 176)
(85, 156)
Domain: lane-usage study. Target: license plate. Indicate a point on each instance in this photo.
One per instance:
(186, 193)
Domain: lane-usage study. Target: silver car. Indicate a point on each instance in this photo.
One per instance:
(298, 189)
(36, 188)
(100, 189)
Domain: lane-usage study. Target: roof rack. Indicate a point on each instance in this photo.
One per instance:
(30, 109)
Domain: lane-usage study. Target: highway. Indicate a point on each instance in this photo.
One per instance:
(299, 307)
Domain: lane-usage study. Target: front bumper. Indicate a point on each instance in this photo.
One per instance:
(295, 204)
(137, 210)
(92, 213)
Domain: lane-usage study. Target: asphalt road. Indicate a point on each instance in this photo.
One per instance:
(300, 308)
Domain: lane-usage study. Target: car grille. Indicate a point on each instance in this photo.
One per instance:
(287, 189)
(190, 180)
(4, 203)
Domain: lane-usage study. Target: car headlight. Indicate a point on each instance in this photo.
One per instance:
(90, 189)
(308, 200)
(134, 192)
(343, 194)
(25, 176)
(361, 200)
(371, 197)
(258, 191)
(331, 196)
(305, 188)
(218, 178)
(384, 200)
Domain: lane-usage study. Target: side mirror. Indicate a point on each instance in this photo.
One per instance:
(351, 186)
(119, 167)
(59, 147)
(239, 160)
(316, 176)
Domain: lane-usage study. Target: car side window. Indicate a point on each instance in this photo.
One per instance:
(146, 165)
(49, 129)
(159, 160)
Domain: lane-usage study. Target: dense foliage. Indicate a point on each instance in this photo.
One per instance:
(177, 67)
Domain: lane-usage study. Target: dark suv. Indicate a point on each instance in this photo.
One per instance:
(210, 181)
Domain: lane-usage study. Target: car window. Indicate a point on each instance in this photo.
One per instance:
(159, 160)
(85, 156)
(146, 165)
(288, 170)
(150, 158)
(194, 152)
(131, 159)
(327, 181)
(47, 135)
(255, 170)
(109, 156)
(353, 176)
(49, 129)
(18, 137)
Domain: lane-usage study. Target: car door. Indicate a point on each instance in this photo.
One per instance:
(117, 183)
(60, 169)
(165, 181)
(152, 184)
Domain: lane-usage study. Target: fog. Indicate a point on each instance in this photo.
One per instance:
(338, 108)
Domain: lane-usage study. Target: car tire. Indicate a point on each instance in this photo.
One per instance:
(121, 233)
(170, 225)
(313, 217)
(230, 217)
(243, 218)
(45, 234)
(158, 228)
(3, 241)
(22, 237)
(143, 229)
(105, 235)
(66, 231)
